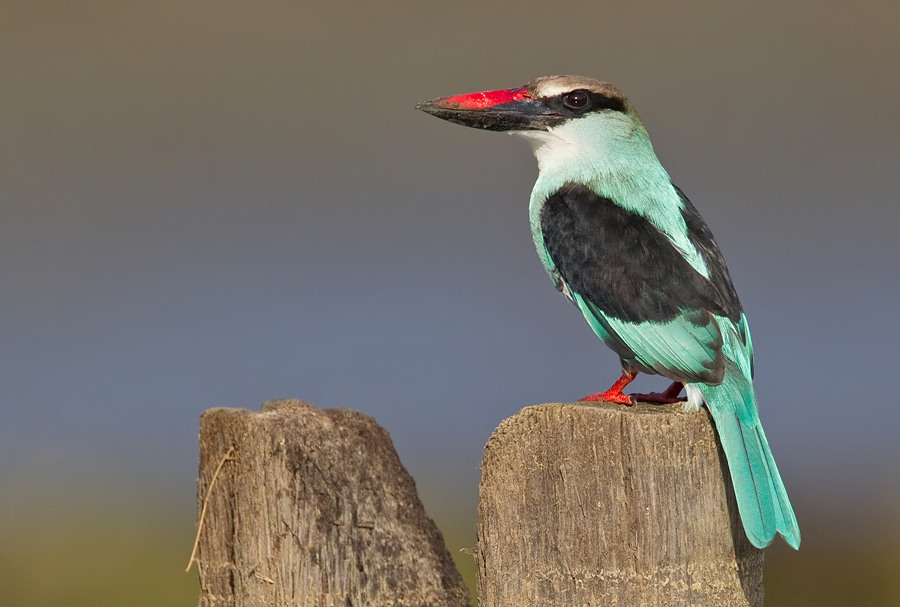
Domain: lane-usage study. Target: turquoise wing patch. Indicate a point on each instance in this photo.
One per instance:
(687, 348)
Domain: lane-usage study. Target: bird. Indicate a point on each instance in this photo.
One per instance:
(628, 248)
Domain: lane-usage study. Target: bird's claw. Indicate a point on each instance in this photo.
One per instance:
(610, 397)
(670, 396)
(657, 398)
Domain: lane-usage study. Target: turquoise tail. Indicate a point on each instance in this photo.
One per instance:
(762, 500)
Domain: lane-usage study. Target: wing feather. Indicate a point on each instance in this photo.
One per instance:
(637, 290)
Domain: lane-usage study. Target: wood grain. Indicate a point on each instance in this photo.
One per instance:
(585, 504)
(314, 509)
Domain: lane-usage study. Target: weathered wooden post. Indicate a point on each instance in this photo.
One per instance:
(585, 504)
(312, 508)
(581, 505)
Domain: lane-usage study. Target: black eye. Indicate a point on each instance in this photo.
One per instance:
(576, 99)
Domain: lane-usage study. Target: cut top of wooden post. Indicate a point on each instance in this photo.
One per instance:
(600, 504)
(314, 509)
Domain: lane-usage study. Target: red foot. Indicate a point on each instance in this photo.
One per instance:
(609, 396)
(614, 394)
(671, 395)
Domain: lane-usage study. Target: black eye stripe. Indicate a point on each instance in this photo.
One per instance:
(576, 100)
(592, 102)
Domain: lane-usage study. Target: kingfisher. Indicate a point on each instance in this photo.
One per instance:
(631, 252)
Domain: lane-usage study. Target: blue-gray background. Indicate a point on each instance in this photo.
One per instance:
(219, 203)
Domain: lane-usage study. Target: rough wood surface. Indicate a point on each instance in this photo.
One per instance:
(314, 509)
(609, 505)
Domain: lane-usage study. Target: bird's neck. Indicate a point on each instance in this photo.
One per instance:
(611, 154)
(616, 161)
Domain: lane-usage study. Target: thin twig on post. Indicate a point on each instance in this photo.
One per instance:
(212, 483)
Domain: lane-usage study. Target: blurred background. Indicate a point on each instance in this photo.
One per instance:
(214, 204)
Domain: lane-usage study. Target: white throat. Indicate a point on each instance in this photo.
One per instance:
(610, 152)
